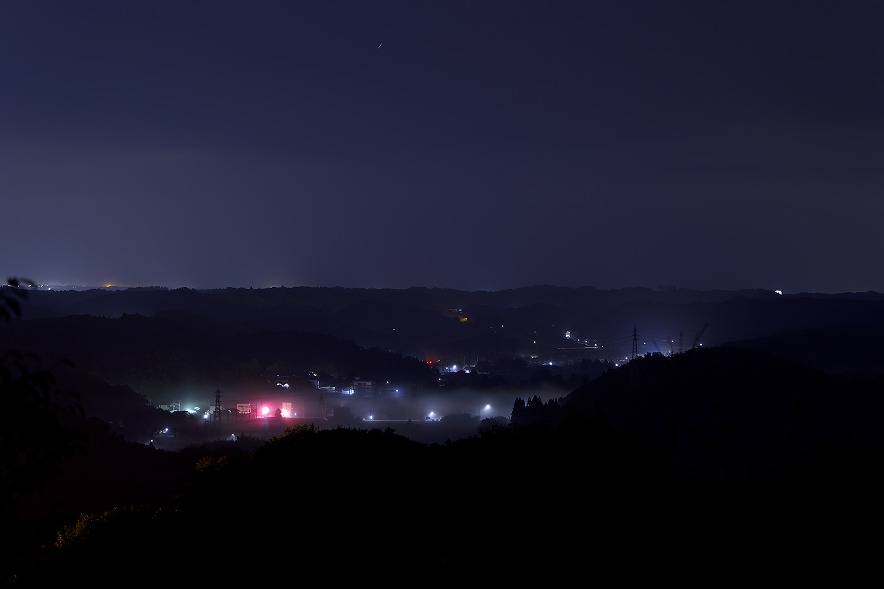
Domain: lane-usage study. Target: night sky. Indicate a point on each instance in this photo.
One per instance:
(472, 145)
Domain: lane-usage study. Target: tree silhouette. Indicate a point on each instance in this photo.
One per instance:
(37, 424)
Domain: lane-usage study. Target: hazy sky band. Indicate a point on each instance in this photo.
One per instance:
(470, 145)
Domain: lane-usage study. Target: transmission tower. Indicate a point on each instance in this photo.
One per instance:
(634, 342)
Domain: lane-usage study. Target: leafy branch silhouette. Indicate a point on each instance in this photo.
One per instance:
(39, 424)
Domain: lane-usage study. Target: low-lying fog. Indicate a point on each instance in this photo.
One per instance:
(424, 416)
(392, 405)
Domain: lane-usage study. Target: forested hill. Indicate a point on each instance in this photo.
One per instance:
(724, 458)
(446, 323)
(736, 413)
(170, 351)
(707, 461)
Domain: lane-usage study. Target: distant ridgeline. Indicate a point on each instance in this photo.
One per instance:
(546, 325)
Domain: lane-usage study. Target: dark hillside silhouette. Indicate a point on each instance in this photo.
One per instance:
(727, 461)
(38, 427)
(734, 413)
(491, 324)
(170, 350)
(569, 492)
(853, 350)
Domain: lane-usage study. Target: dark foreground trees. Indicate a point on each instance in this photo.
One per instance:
(38, 428)
(348, 505)
(562, 502)
(526, 506)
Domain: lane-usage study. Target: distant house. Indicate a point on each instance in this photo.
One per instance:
(363, 388)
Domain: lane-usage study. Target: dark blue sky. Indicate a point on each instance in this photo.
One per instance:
(472, 145)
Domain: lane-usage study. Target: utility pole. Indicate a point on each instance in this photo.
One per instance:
(217, 416)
